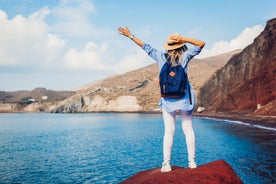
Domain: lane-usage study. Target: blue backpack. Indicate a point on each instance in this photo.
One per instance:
(173, 81)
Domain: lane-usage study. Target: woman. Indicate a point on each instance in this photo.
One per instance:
(177, 51)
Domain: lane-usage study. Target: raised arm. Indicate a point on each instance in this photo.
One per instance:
(181, 39)
(126, 32)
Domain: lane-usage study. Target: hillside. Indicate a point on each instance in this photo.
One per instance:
(36, 100)
(246, 84)
(137, 90)
(37, 94)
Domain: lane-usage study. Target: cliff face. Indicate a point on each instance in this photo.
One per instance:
(247, 83)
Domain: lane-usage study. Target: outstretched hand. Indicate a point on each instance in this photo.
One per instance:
(124, 31)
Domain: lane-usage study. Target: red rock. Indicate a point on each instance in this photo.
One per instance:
(217, 172)
(246, 84)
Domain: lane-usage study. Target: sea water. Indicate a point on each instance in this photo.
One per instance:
(110, 147)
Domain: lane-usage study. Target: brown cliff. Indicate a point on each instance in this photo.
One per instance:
(247, 83)
(217, 172)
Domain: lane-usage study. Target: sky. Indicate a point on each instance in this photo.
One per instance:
(65, 44)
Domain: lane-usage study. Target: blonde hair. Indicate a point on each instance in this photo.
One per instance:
(175, 55)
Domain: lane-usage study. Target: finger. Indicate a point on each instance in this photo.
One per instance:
(120, 29)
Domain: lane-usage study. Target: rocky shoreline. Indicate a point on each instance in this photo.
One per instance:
(257, 120)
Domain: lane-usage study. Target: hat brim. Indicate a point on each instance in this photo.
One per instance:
(173, 46)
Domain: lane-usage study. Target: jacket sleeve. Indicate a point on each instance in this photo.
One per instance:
(158, 56)
(191, 52)
(152, 52)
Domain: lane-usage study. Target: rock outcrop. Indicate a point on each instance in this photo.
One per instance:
(247, 83)
(217, 172)
(97, 103)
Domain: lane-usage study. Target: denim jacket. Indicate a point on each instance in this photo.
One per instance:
(172, 104)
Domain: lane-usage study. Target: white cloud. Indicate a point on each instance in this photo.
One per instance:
(245, 38)
(133, 61)
(90, 58)
(103, 57)
(30, 42)
(26, 40)
(54, 42)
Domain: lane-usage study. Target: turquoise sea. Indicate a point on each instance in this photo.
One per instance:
(109, 147)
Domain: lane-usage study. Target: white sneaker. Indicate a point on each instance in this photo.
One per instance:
(166, 167)
(192, 165)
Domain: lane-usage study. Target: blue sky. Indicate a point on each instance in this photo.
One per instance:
(64, 44)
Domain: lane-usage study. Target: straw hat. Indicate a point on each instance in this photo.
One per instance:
(173, 44)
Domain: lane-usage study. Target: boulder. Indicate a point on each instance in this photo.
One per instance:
(217, 172)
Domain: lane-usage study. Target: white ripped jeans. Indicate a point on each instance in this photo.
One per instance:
(187, 126)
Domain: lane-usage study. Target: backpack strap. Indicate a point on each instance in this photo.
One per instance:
(190, 95)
